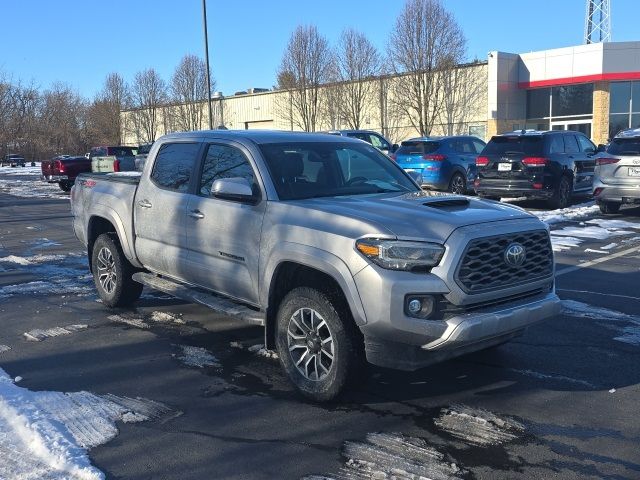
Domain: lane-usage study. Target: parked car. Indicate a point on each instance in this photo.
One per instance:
(112, 159)
(141, 156)
(13, 160)
(324, 242)
(617, 173)
(64, 169)
(368, 136)
(551, 165)
(445, 163)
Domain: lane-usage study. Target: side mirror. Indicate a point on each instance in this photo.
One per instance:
(601, 148)
(394, 147)
(416, 177)
(236, 188)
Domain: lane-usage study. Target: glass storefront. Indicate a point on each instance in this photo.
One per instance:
(567, 107)
(624, 106)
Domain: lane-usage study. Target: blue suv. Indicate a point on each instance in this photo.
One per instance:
(446, 163)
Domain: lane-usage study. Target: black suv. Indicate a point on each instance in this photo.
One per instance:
(549, 165)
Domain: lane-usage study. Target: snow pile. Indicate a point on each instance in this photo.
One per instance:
(262, 352)
(612, 319)
(478, 426)
(45, 435)
(31, 260)
(591, 232)
(568, 214)
(37, 335)
(392, 456)
(4, 348)
(559, 244)
(165, 317)
(197, 357)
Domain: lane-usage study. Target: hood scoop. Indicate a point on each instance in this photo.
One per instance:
(458, 202)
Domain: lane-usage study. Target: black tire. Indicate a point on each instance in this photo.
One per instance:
(609, 208)
(458, 184)
(65, 186)
(119, 290)
(344, 347)
(562, 194)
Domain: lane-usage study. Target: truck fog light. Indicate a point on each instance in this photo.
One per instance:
(419, 306)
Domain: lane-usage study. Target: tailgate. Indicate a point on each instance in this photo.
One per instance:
(103, 164)
(48, 167)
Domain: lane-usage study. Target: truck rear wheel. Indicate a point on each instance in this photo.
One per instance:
(112, 273)
(65, 186)
(609, 208)
(315, 344)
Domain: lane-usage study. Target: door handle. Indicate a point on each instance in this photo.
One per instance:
(197, 214)
(145, 204)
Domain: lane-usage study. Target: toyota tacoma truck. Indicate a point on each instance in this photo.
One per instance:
(324, 242)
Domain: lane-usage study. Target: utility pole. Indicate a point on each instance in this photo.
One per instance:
(597, 24)
(206, 58)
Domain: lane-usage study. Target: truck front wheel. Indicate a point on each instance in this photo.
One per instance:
(112, 273)
(315, 343)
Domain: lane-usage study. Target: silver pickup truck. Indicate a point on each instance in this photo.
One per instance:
(323, 241)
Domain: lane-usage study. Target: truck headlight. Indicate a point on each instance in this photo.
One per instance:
(399, 254)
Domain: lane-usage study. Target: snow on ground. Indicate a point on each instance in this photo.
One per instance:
(165, 317)
(546, 376)
(4, 348)
(392, 456)
(262, 352)
(575, 212)
(60, 275)
(591, 232)
(46, 435)
(627, 326)
(197, 357)
(558, 244)
(129, 320)
(37, 335)
(477, 426)
(30, 186)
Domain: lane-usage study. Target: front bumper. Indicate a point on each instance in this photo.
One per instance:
(617, 193)
(53, 178)
(464, 334)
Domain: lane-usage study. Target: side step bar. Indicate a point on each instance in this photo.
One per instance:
(214, 302)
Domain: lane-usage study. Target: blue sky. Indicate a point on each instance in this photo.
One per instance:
(81, 41)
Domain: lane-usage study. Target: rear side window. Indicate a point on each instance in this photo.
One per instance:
(527, 145)
(585, 144)
(417, 148)
(556, 144)
(570, 144)
(624, 146)
(174, 165)
(223, 161)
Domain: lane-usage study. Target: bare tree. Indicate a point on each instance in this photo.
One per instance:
(357, 63)
(189, 90)
(149, 93)
(425, 42)
(104, 119)
(463, 89)
(304, 68)
(61, 121)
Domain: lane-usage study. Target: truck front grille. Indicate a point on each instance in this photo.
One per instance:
(483, 266)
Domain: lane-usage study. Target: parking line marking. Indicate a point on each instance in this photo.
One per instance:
(597, 261)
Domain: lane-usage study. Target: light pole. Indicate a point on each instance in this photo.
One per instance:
(206, 58)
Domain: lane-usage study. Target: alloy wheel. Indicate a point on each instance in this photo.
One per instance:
(107, 270)
(310, 343)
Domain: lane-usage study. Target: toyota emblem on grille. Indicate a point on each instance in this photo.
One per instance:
(514, 255)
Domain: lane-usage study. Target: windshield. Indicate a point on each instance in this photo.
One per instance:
(517, 144)
(412, 147)
(624, 146)
(308, 170)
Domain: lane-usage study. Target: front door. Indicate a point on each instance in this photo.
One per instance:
(582, 126)
(160, 208)
(223, 236)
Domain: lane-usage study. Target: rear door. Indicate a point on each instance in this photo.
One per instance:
(587, 163)
(223, 236)
(506, 154)
(160, 209)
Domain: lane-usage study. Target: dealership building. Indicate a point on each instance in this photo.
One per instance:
(593, 88)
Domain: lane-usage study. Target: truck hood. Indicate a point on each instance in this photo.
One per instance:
(420, 215)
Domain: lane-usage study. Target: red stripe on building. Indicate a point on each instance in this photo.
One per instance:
(554, 82)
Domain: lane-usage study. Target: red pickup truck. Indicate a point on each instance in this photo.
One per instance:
(64, 169)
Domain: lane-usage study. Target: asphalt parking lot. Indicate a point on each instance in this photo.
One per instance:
(558, 402)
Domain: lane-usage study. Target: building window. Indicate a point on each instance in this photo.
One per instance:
(624, 106)
(562, 101)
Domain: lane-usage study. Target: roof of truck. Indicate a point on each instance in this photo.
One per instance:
(261, 136)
